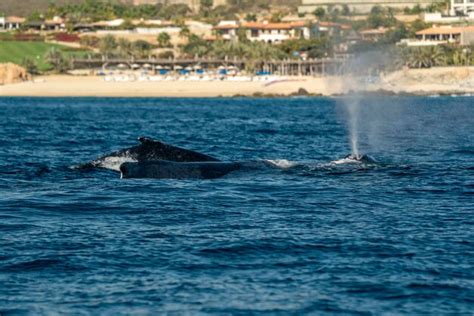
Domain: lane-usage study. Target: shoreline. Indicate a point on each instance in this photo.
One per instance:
(447, 81)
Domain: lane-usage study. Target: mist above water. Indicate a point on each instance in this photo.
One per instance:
(361, 71)
(353, 117)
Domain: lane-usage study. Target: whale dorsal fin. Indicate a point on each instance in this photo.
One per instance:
(147, 140)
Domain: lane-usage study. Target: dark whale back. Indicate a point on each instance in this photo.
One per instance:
(161, 169)
(148, 149)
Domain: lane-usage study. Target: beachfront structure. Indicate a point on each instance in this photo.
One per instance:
(11, 23)
(54, 24)
(462, 7)
(275, 33)
(458, 35)
(363, 6)
(272, 33)
(290, 67)
(15, 23)
(373, 35)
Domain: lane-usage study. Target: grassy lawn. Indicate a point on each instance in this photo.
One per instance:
(15, 52)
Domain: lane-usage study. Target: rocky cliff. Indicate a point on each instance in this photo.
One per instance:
(11, 73)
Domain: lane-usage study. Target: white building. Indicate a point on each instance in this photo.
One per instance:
(11, 23)
(458, 35)
(273, 33)
(462, 7)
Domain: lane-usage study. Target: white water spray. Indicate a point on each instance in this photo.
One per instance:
(353, 113)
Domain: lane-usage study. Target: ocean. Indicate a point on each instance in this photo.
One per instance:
(311, 237)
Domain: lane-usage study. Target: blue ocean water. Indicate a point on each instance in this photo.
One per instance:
(396, 237)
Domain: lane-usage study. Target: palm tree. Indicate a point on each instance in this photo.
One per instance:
(185, 32)
(462, 57)
(164, 40)
(124, 47)
(426, 57)
(141, 48)
(57, 59)
(30, 66)
(107, 45)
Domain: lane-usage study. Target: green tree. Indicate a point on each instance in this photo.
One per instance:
(196, 46)
(185, 32)
(141, 48)
(426, 57)
(251, 17)
(346, 11)
(175, 10)
(206, 7)
(107, 45)
(57, 60)
(276, 17)
(30, 66)
(320, 13)
(381, 17)
(164, 40)
(394, 35)
(124, 47)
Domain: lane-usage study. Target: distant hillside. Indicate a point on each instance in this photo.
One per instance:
(26, 7)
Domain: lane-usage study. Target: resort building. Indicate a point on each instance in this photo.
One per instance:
(458, 35)
(11, 23)
(373, 35)
(272, 33)
(462, 7)
(275, 33)
(14, 23)
(363, 6)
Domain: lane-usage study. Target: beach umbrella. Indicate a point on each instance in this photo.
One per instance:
(197, 67)
(221, 67)
(177, 67)
(135, 66)
(146, 66)
(122, 66)
(159, 67)
(189, 68)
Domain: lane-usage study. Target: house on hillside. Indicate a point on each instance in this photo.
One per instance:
(11, 23)
(457, 35)
(272, 33)
(373, 35)
(55, 24)
(332, 28)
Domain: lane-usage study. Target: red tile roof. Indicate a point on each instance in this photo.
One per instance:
(446, 30)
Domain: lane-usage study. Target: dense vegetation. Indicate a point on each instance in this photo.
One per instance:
(108, 9)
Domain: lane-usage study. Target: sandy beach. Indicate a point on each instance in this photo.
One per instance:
(415, 81)
(61, 86)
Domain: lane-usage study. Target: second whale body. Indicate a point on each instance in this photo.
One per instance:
(161, 169)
